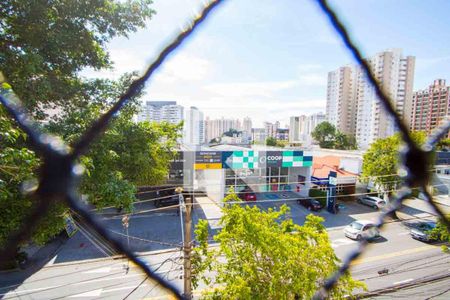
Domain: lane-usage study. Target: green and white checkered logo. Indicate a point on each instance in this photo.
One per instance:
(295, 159)
(244, 160)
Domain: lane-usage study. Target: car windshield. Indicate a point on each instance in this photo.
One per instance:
(427, 226)
(356, 225)
(315, 202)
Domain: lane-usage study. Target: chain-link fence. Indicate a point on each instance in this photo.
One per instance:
(59, 172)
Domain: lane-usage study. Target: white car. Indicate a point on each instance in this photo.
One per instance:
(360, 229)
(374, 202)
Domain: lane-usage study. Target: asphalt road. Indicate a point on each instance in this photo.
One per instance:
(407, 260)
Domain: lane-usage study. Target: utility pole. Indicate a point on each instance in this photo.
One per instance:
(187, 249)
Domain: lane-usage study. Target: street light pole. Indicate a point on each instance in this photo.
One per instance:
(187, 251)
(186, 207)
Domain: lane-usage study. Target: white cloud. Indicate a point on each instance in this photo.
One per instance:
(249, 89)
(184, 67)
(313, 79)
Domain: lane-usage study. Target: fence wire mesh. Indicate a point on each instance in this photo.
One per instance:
(59, 172)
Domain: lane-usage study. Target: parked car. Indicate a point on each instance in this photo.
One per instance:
(360, 229)
(247, 195)
(166, 198)
(372, 201)
(310, 204)
(421, 231)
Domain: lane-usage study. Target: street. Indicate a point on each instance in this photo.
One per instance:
(407, 260)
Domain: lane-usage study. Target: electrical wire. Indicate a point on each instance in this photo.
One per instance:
(260, 201)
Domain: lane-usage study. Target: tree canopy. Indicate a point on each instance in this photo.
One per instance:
(18, 166)
(328, 136)
(380, 162)
(271, 141)
(264, 255)
(45, 44)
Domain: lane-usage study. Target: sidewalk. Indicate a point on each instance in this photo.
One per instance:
(416, 208)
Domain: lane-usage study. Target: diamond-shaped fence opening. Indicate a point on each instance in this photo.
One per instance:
(59, 172)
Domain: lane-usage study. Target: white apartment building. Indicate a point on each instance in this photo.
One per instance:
(396, 76)
(194, 127)
(301, 127)
(271, 129)
(216, 127)
(297, 129)
(247, 125)
(159, 111)
(341, 100)
(353, 106)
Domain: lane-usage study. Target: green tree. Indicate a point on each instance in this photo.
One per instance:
(45, 44)
(343, 141)
(271, 141)
(441, 233)
(380, 162)
(127, 155)
(264, 255)
(443, 144)
(18, 165)
(324, 134)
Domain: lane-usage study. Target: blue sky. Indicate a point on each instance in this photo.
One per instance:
(269, 59)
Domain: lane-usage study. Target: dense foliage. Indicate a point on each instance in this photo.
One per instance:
(271, 141)
(264, 255)
(18, 165)
(328, 136)
(45, 44)
(441, 233)
(380, 162)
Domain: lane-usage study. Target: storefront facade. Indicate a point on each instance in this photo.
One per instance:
(218, 172)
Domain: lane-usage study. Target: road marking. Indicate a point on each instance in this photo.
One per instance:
(106, 279)
(341, 242)
(393, 254)
(403, 281)
(99, 270)
(121, 288)
(94, 293)
(23, 291)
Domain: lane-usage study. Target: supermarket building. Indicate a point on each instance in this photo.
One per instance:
(216, 170)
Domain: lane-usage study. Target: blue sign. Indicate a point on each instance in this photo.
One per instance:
(331, 195)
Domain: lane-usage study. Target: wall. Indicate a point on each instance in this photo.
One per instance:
(212, 182)
(293, 177)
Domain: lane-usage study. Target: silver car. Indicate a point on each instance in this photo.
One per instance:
(360, 229)
(374, 202)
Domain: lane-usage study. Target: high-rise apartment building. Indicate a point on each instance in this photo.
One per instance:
(159, 111)
(314, 120)
(271, 129)
(297, 128)
(341, 100)
(194, 127)
(395, 74)
(247, 125)
(353, 106)
(301, 127)
(259, 135)
(430, 106)
(216, 127)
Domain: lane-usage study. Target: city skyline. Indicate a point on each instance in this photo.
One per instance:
(224, 70)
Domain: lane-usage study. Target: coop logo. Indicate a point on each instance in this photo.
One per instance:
(270, 158)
